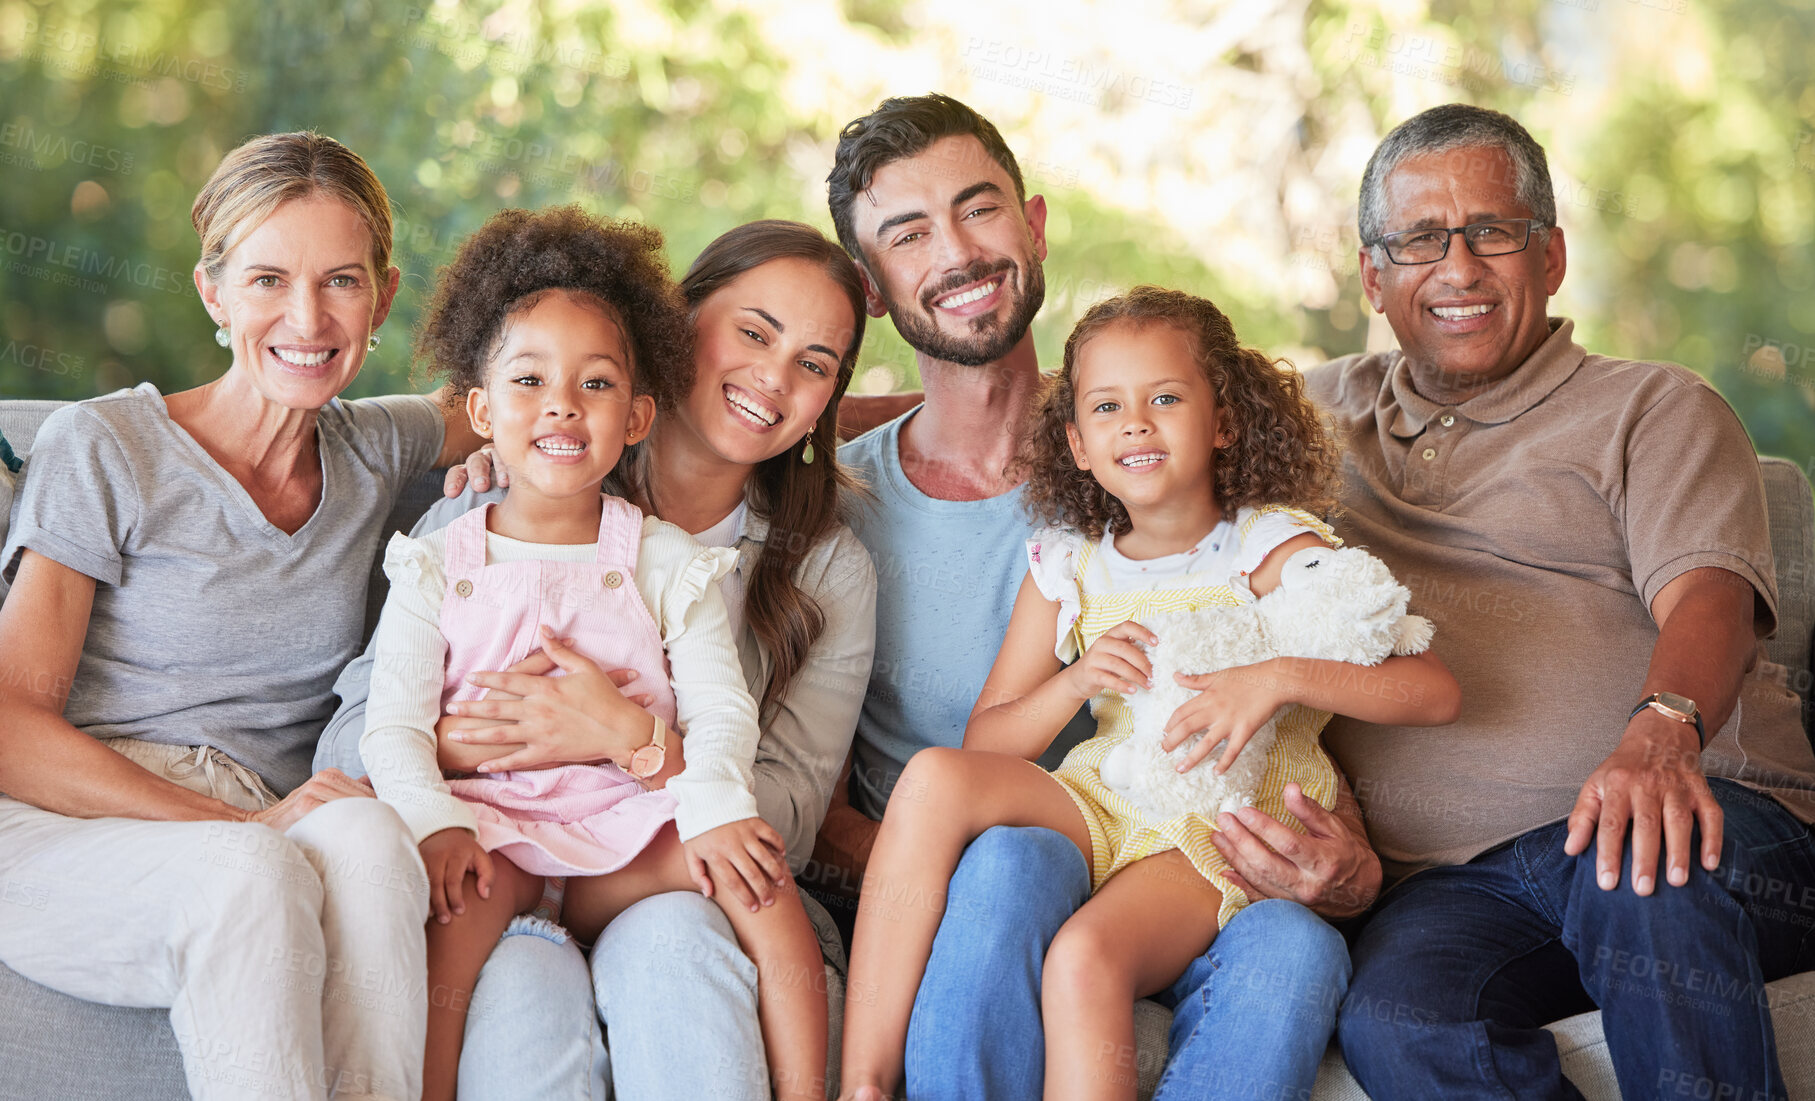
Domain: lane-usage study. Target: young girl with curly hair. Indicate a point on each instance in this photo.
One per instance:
(562, 335)
(1176, 467)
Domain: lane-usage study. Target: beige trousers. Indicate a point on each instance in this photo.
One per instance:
(293, 963)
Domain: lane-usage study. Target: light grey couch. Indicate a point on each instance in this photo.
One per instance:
(56, 1047)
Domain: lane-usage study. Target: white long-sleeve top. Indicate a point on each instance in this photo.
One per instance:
(676, 578)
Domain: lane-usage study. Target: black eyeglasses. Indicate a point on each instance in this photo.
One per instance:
(1427, 246)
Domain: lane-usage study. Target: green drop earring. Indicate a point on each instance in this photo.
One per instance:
(806, 453)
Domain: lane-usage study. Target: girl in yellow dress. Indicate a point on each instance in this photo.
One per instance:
(1176, 467)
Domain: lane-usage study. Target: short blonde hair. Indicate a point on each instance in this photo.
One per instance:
(257, 177)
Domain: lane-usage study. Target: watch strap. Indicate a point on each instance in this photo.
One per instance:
(656, 751)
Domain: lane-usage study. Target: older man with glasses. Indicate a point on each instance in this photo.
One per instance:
(1589, 535)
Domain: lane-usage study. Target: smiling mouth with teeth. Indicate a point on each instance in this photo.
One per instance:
(975, 294)
(1460, 313)
(1145, 458)
(553, 448)
(763, 415)
(303, 359)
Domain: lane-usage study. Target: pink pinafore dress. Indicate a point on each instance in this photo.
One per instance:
(572, 819)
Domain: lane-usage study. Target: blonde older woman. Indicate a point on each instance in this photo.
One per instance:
(181, 573)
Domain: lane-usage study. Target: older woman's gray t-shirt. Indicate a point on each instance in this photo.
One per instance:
(210, 626)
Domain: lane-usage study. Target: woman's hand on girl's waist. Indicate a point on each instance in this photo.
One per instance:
(539, 721)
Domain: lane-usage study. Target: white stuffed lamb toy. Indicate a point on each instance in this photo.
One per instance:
(1341, 605)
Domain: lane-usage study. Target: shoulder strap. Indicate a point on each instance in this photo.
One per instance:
(620, 533)
(1082, 562)
(465, 552)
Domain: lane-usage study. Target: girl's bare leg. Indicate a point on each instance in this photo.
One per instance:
(457, 951)
(1134, 938)
(791, 990)
(943, 801)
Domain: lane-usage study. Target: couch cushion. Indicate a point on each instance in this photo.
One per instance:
(56, 1046)
(1791, 511)
(19, 421)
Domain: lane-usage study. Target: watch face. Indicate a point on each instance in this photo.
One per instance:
(1682, 705)
(646, 762)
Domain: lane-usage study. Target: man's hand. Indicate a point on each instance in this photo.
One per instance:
(448, 855)
(481, 468)
(1653, 780)
(745, 859)
(1329, 869)
(324, 787)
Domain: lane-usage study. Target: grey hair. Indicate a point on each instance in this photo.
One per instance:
(1456, 126)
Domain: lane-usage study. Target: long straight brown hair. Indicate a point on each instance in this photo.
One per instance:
(800, 500)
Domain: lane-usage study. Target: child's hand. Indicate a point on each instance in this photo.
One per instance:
(1114, 663)
(746, 858)
(449, 854)
(1230, 704)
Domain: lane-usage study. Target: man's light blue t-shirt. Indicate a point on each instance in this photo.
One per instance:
(946, 577)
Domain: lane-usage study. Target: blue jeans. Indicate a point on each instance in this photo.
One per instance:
(532, 1030)
(1251, 1017)
(677, 994)
(1459, 968)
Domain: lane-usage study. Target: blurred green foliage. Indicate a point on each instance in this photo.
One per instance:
(1690, 236)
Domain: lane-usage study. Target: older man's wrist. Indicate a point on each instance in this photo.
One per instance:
(1665, 741)
(1353, 896)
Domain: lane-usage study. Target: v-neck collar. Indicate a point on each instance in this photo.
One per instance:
(232, 486)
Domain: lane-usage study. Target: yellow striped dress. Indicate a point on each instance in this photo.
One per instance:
(1072, 570)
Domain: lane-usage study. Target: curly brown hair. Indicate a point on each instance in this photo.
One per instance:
(520, 254)
(1283, 453)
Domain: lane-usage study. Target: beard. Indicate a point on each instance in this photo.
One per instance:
(991, 336)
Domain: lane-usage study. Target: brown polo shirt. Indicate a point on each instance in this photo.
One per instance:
(1534, 523)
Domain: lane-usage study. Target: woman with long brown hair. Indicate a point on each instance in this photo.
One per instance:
(746, 458)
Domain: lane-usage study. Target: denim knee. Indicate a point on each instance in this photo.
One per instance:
(535, 964)
(675, 938)
(1301, 954)
(1011, 866)
(1667, 913)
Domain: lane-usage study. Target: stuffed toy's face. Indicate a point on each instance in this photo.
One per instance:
(1329, 593)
